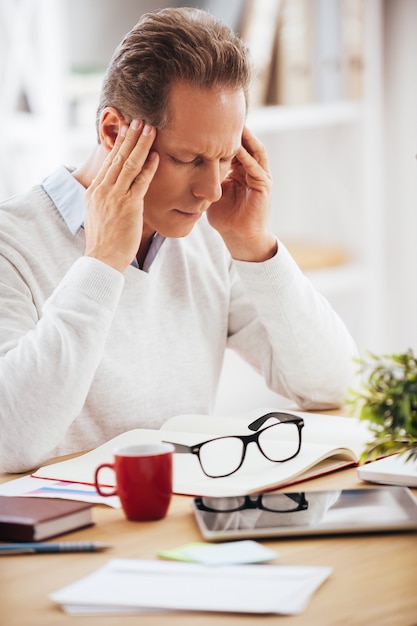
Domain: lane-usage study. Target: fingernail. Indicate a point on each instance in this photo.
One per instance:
(123, 131)
(135, 124)
(147, 129)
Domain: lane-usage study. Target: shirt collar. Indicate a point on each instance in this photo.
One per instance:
(68, 195)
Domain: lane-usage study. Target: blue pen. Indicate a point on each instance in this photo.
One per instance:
(52, 548)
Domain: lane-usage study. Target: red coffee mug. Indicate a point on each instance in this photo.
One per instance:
(143, 480)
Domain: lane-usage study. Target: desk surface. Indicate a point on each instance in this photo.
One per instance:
(373, 579)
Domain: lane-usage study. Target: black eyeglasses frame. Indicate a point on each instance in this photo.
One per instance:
(299, 498)
(256, 425)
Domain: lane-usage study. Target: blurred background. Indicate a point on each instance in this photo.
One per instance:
(334, 100)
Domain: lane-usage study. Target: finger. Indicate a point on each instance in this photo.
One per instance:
(98, 179)
(256, 174)
(237, 173)
(125, 139)
(144, 178)
(255, 148)
(249, 166)
(129, 159)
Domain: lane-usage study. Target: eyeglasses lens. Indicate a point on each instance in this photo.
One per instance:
(280, 441)
(281, 503)
(224, 505)
(222, 456)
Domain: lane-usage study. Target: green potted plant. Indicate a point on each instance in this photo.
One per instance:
(387, 399)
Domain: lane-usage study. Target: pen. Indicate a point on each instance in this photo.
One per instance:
(52, 548)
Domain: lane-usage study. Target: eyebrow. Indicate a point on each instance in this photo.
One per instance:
(194, 155)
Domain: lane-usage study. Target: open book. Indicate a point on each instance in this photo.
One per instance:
(329, 442)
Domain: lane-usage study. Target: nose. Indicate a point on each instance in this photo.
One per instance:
(207, 184)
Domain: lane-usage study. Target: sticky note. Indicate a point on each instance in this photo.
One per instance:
(227, 553)
(178, 554)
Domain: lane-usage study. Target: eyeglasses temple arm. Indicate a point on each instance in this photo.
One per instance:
(180, 448)
(260, 421)
(281, 417)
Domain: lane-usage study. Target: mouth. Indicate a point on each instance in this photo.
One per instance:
(190, 215)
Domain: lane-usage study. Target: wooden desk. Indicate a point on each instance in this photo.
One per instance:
(373, 581)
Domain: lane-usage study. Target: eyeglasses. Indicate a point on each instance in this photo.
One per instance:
(274, 503)
(223, 456)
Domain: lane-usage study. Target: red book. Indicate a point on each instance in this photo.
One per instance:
(36, 519)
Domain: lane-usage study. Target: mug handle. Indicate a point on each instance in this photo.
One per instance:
(96, 483)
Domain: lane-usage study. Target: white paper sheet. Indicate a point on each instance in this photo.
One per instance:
(392, 470)
(135, 586)
(46, 488)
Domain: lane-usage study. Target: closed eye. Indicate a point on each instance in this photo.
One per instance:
(196, 161)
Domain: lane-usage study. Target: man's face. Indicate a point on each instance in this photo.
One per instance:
(195, 150)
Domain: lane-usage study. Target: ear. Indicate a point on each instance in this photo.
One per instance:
(111, 122)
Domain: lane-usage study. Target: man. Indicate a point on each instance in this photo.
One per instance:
(123, 282)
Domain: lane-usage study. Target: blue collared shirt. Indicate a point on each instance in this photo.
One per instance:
(68, 195)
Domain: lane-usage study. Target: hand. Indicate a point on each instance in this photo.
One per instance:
(114, 216)
(241, 215)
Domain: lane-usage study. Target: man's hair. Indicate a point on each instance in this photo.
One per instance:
(167, 46)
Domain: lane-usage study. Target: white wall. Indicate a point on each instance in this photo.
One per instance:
(400, 178)
(97, 26)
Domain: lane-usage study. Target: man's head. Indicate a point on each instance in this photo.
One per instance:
(187, 74)
(167, 47)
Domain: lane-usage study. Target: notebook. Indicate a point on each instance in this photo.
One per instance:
(36, 519)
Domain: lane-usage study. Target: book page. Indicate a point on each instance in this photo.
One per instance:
(81, 469)
(257, 473)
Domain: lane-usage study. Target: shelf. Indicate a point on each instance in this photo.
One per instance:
(344, 279)
(316, 115)
(311, 256)
(23, 126)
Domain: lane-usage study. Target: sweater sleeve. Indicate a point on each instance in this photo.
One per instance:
(296, 339)
(62, 349)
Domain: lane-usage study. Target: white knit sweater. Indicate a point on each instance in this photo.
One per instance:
(87, 352)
